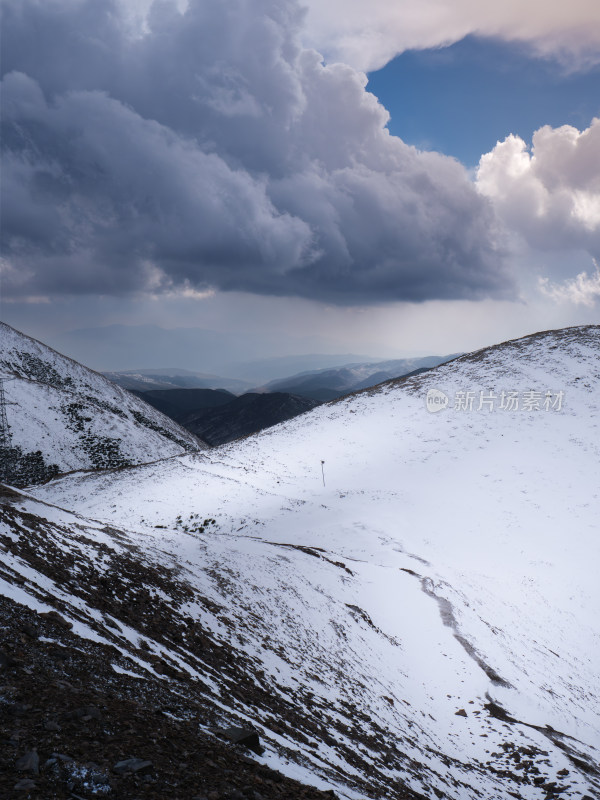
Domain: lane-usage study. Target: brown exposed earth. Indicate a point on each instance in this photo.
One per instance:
(67, 720)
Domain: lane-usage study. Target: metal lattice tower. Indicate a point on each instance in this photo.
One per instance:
(5, 440)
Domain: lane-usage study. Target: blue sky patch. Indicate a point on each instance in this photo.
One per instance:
(462, 99)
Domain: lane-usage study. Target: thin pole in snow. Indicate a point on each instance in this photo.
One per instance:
(323, 471)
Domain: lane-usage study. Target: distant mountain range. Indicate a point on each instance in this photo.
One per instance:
(328, 384)
(217, 416)
(318, 383)
(270, 369)
(174, 378)
(208, 407)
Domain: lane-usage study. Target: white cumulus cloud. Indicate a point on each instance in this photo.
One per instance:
(550, 193)
(583, 290)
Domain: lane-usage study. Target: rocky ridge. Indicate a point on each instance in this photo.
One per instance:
(63, 416)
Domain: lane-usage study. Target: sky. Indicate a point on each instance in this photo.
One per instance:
(484, 89)
(339, 177)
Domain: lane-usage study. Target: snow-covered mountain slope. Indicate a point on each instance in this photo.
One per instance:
(75, 417)
(146, 634)
(430, 609)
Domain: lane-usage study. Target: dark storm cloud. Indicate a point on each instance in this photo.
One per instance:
(215, 152)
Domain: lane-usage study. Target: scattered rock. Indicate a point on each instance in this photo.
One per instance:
(55, 758)
(244, 736)
(65, 685)
(62, 757)
(24, 785)
(54, 616)
(498, 712)
(129, 765)
(14, 739)
(30, 631)
(85, 714)
(461, 713)
(30, 762)
(18, 709)
(60, 655)
(6, 662)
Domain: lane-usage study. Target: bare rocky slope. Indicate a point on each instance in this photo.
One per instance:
(62, 416)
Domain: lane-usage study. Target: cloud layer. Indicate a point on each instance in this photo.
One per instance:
(582, 290)
(551, 194)
(216, 151)
(368, 35)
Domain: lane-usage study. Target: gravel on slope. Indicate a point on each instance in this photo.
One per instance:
(67, 722)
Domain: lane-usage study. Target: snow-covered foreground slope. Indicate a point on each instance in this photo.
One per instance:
(449, 564)
(75, 417)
